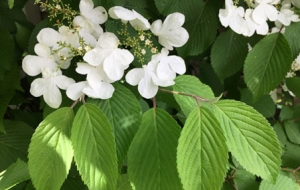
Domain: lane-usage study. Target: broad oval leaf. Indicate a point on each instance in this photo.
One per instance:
(50, 151)
(202, 153)
(193, 86)
(292, 130)
(124, 113)
(282, 183)
(228, 53)
(94, 148)
(267, 64)
(292, 36)
(152, 154)
(250, 138)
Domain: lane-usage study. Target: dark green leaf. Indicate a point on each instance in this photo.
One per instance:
(292, 36)
(292, 131)
(293, 85)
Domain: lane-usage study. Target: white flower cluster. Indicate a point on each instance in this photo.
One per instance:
(255, 18)
(103, 61)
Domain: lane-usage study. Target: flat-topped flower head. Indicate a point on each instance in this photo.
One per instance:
(90, 18)
(49, 85)
(135, 19)
(114, 59)
(170, 32)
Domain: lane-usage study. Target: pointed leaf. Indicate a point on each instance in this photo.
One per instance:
(250, 138)
(190, 85)
(14, 144)
(228, 53)
(292, 36)
(94, 148)
(50, 151)
(14, 174)
(152, 154)
(282, 182)
(124, 114)
(201, 153)
(267, 64)
(292, 131)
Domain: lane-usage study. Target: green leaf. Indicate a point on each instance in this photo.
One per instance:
(14, 144)
(286, 113)
(22, 36)
(123, 183)
(4, 101)
(245, 180)
(267, 64)
(124, 114)
(10, 4)
(293, 85)
(94, 148)
(282, 183)
(190, 85)
(292, 36)
(250, 138)
(73, 180)
(6, 51)
(263, 105)
(14, 174)
(152, 154)
(202, 154)
(50, 151)
(228, 53)
(292, 131)
(202, 30)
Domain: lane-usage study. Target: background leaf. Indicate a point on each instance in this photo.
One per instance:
(6, 51)
(228, 53)
(124, 114)
(201, 153)
(292, 131)
(51, 150)
(267, 64)
(250, 138)
(282, 183)
(292, 35)
(152, 154)
(94, 148)
(293, 85)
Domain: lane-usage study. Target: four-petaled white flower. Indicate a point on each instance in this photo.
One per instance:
(252, 26)
(264, 11)
(49, 85)
(135, 19)
(90, 18)
(114, 60)
(170, 32)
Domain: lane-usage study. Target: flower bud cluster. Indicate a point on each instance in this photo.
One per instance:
(256, 17)
(103, 61)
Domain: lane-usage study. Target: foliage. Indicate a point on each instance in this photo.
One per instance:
(105, 108)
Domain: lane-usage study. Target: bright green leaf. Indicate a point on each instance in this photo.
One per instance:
(282, 183)
(228, 53)
(190, 85)
(250, 138)
(123, 183)
(292, 36)
(11, 3)
(14, 174)
(152, 154)
(292, 131)
(124, 114)
(14, 144)
(94, 148)
(50, 151)
(293, 85)
(202, 153)
(267, 64)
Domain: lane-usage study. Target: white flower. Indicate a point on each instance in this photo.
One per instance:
(232, 16)
(90, 18)
(252, 26)
(114, 60)
(296, 3)
(170, 32)
(135, 19)
(286, 15)
(264, 11)
(49, 85)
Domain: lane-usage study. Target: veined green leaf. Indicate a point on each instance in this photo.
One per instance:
(123, 183)
(124, 114)
(50, 151)
(245, 180)
(202, 154)
(152, 154)
(14, 144)
(267, 64)
(292, 36)
(4, 100)
(228, 53)
(190, 85)
(250, 138)
(14, 174)
(293, 85)
(292, 131)
(282, 183)
(94, 148)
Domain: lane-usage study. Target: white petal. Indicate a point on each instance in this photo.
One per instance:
(96, 56)
(108, 40)
(42, 50)
(32, 65)
(96, 77)
(174, 21)
(139, 22)
(164, 72)
(271, 12)
(262, 29)
(113, 68)
(98, 15)
(84, 68)
(175, 38)
(259, 15)
(119, 12)
(52, 95)
(48, 36)
(75, 91)
(63, 82)
(134, 76)
(38, 87)
(177, 64)
(103, 91)
(85, 6)
(147, 88)
(89, 39)
(156, 27)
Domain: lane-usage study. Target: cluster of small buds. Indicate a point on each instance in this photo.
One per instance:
(103, 61)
